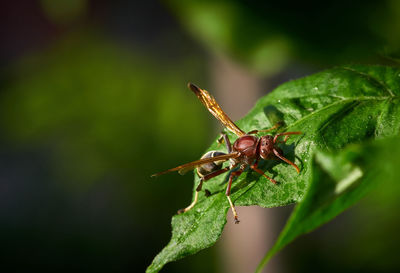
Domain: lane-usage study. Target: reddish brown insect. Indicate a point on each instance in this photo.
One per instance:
(245, 151)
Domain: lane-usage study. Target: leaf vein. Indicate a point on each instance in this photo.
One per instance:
(369, 78)
(333, 104)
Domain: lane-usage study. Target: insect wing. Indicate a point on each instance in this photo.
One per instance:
(182, 169)
(211, 104)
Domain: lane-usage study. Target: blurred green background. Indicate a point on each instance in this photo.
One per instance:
(93, 100)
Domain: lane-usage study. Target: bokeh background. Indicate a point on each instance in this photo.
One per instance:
(93, 100)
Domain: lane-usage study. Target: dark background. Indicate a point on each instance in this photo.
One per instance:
(93, 100)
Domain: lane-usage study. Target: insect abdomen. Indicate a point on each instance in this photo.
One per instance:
(212, 166)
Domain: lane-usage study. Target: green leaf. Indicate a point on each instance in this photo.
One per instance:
(333, 109)
(338, 181)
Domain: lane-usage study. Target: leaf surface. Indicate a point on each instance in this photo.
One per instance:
(332, 108)
(339, 180)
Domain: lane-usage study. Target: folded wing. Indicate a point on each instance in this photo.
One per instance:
(192, 165)
(211, 104)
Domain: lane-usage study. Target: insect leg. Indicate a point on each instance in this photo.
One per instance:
(286, 134)
(216, 173)
(224, 138)
(254, 168)
(286, 160)
(277, 125)
(227, 143)
(199, 187)
(284, 140)
(196, 197)
(228, 193)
